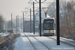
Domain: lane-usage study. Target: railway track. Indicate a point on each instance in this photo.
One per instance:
(30, 42)
(38, 41)
(63, 42)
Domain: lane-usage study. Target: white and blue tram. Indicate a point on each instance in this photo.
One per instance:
(48, 27)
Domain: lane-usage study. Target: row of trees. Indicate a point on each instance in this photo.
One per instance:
(5, 25)
(67, 19)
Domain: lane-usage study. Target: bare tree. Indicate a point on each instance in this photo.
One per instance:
(51, 10)
(1, 22)
(67, 18)
(9, 24)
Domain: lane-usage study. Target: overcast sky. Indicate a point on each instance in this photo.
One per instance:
(13, 6)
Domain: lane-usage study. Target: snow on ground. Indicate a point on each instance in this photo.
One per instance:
(23, 43)
(70, 41)
(37, 44)
(53, 44)
(4, 34)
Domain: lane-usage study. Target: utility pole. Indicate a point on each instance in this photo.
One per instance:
(16, 24)
(11, 21)
(30, 20)
(33, 20)
(57, 21)
(23, 22)
(40, 16)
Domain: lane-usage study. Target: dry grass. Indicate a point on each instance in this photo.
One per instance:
(8, 41)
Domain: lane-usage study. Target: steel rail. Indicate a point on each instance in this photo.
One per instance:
(30, 41)
(62, 42)
(40, 42)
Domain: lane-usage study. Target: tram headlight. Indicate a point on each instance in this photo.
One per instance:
(52, 31)
(48, 31)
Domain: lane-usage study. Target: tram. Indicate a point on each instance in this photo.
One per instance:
(48, 27)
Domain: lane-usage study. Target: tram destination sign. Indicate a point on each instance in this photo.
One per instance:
(48, 21)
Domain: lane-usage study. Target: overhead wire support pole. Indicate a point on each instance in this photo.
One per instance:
(33, 20)
(57, 21)
(11, 20)
(30, 20)
(16, 24)
(40, 16)
(23, 22)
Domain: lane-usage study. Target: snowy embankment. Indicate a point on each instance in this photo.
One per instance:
(7, 41)
(4, 34)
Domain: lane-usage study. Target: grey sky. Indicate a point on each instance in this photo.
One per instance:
(13, 6)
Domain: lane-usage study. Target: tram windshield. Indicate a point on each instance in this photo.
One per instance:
(48, 25)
